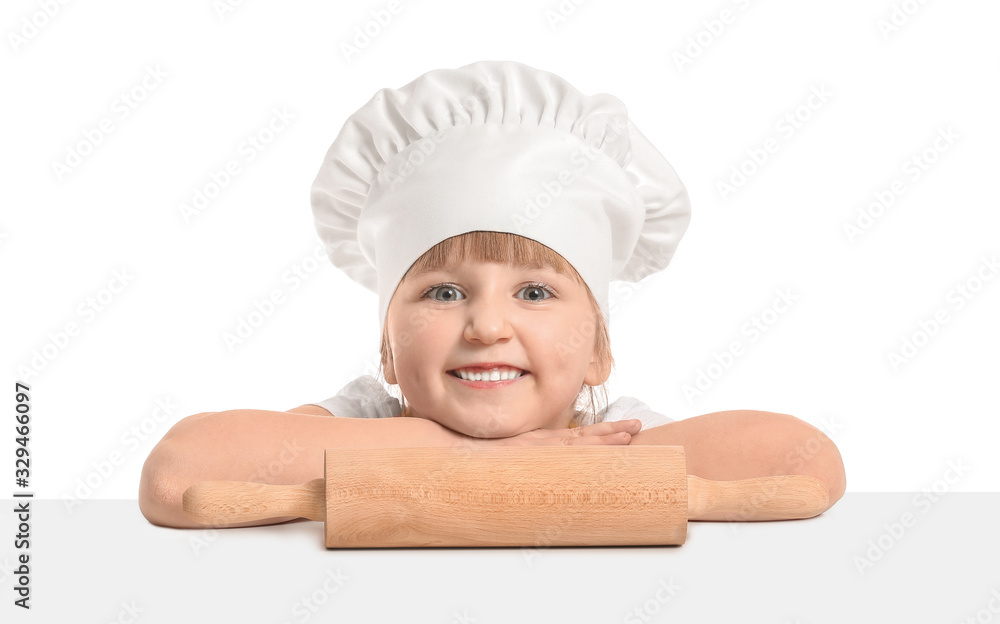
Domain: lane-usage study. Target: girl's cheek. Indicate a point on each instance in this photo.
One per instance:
(419, 324)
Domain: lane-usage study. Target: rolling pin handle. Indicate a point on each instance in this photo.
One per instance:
(780, 497)
(229, 502)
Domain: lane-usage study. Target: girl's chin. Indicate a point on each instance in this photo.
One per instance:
(485, 426)
(484, 431)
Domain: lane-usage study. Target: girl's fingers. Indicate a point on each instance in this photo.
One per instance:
(605, 428)
(621, 437)
(616, 432)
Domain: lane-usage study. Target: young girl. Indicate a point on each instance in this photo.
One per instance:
(489, 207)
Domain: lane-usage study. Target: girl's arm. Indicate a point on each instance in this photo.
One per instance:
(260, 446)
(740, 444)
(287, 448)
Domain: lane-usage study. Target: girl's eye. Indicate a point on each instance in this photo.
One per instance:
(452, 292)
(538, 288)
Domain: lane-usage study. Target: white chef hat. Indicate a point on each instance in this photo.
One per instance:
(496, 146)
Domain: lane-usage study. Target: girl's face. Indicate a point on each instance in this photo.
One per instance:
(533, 319)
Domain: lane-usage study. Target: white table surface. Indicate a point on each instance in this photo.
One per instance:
(105, 562)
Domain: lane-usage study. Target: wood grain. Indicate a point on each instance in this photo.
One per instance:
(506, 496)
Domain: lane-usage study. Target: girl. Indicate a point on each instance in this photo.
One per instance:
(489, 207)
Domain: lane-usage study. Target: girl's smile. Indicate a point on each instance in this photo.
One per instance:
(487, 385)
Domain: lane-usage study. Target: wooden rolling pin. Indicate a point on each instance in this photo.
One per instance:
(611, 495)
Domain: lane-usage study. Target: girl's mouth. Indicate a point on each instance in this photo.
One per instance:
(485, 384)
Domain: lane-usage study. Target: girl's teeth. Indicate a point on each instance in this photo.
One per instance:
(494, 375)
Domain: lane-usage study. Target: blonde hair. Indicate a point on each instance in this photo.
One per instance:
(480, 246)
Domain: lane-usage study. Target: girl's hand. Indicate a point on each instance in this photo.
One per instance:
(617, 432)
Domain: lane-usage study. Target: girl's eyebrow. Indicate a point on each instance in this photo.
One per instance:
(524, 266)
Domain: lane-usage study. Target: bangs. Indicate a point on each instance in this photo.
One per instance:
(500, 247)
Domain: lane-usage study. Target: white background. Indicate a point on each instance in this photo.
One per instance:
(824, 360)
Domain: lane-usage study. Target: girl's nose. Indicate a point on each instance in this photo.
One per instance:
(488, 322)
